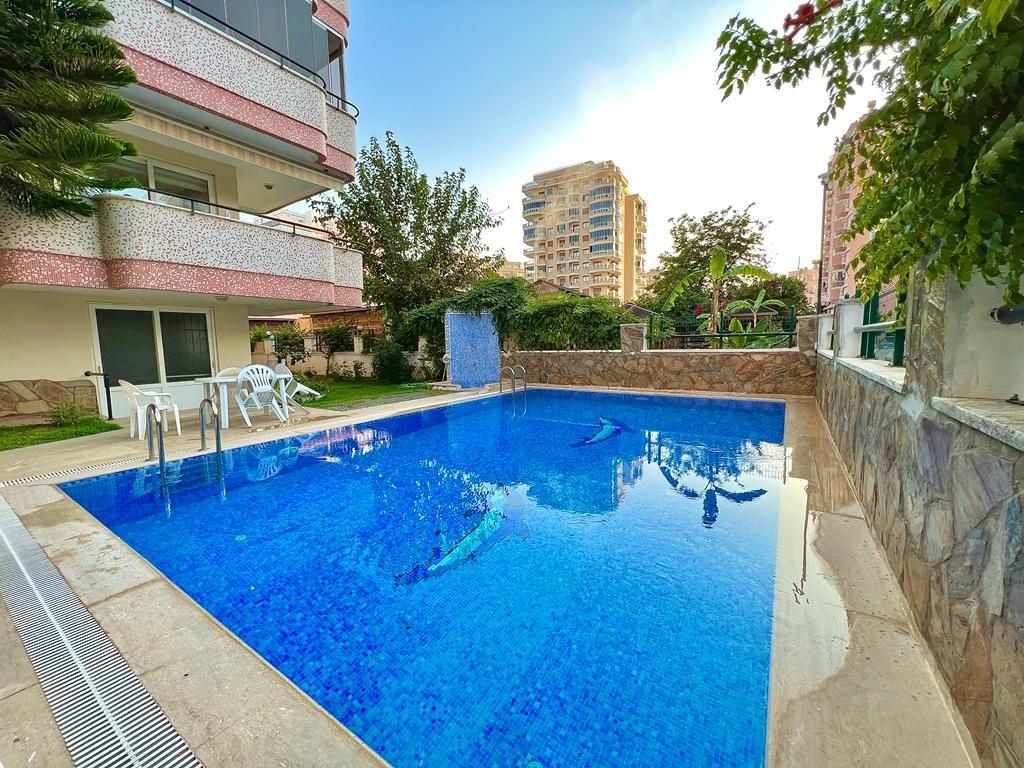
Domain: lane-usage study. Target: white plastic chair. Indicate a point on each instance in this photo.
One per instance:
(293, 388)
(255, 389)
(139, 401)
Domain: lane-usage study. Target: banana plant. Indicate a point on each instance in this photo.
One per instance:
(718, 274)
(753, 307)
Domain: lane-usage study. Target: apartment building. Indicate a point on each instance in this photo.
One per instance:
(809, 277)
(584, 230)
(512, 269)
(240, 110)
(838, 279)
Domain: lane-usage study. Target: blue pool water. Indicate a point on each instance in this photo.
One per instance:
(561, 579)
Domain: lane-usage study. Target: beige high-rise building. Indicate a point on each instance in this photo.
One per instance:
(584, 230)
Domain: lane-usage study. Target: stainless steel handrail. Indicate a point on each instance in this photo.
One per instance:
(501, 378)
(154, 424)
(215, 415)
(873, 327)
(514, 367)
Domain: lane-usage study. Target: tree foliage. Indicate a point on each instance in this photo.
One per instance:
(334, 338)
(56, 74)
(787, 290)
(391, 364)
(737, 232)
(945, 193)
(501, 296)
(421, 240)
(718, 273)
(568, 321)
(290, 343)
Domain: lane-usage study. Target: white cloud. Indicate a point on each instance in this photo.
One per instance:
(661, 119)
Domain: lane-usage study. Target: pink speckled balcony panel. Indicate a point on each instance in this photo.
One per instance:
(197, 65)
(137, 244)
(55, 269)
(334, 14)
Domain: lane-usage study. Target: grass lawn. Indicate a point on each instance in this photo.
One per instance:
(339, 393)
(35, 434)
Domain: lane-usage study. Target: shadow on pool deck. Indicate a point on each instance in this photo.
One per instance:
(852, 683)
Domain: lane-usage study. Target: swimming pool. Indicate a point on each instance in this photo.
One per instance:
(558, 579)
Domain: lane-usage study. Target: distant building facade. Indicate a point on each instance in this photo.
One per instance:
(838, 279)
(584, 230)
(809, 277)
(512, 269)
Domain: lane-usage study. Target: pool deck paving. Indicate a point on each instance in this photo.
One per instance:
(852, 683)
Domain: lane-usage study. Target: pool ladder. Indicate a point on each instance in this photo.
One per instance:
(215, 416)
(154, 425)
(512, 369)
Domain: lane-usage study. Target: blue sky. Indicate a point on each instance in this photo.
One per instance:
(509, 89)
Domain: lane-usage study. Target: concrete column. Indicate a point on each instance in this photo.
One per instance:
(633, 337)
(849, 314)
(357, 344)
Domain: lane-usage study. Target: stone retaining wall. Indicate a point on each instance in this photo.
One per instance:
(37, 396)
(945, 502)
(748, 371)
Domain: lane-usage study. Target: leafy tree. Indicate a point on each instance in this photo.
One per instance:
(946, 189)
(737, 232)
(334, 338)
(421, 241)
(56, 74)
(290, 344)
(717, 273)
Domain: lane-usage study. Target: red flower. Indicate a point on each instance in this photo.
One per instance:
(698, 310)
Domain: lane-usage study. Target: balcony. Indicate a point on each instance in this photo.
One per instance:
(185, 246)
(208, 74)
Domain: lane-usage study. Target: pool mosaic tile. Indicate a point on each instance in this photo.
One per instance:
(485, 584)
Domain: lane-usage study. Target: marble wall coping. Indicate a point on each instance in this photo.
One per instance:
(995, 418)
(744, 351)
(877, 370)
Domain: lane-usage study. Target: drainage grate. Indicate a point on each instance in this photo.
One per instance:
(105, 715)
(90, 468)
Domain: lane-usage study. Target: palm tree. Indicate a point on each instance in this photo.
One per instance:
(712, 471)
(56, 74)
(718, 275)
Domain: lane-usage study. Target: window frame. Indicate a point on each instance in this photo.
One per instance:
(155, 310)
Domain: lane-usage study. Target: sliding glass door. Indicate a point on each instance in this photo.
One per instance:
(152, 345)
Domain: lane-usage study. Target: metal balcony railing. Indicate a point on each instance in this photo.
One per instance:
(195, 205)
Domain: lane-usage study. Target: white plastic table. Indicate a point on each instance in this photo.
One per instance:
(222, 382)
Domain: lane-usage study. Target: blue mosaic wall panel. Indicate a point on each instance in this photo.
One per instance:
(471, 343)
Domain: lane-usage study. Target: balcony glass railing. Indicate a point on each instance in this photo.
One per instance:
(304, 39)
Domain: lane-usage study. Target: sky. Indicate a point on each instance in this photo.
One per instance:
(506, 90)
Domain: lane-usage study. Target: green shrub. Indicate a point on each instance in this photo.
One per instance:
(290, 344)
(66, 415)
(390, 363)
(335, 338)
(257, 333)
(358, 369)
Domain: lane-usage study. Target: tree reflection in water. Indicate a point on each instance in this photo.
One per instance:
(716, 465)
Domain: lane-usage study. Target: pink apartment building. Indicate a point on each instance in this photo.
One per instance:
(239, 110)
(838, 279)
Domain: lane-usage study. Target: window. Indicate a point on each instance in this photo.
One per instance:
(574, 239)
(153, 346)
(171, 184)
